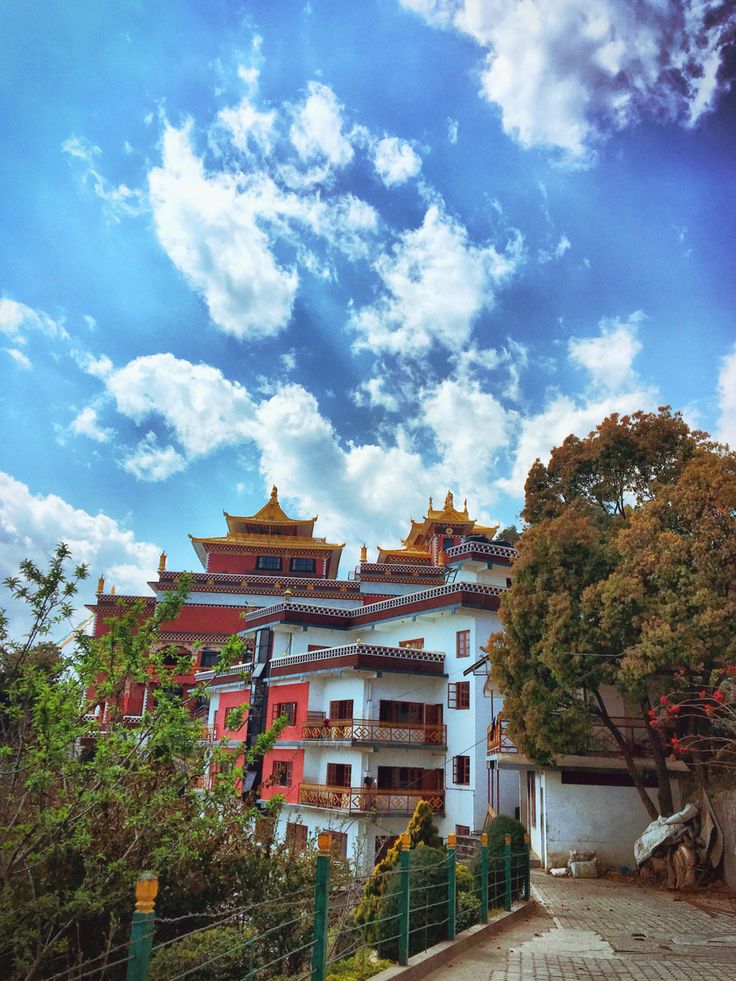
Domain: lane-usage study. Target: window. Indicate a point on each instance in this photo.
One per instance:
(462, 643)
(272, 563)
(339, 843)
(402, 713)
(302, 565)
(284, 708)
(339, 711)
(461, 769)
(458, 695)
(402, 778)
(448, 543)
(282, 773)
(462, 830)
(296, 835)
(209, 657)
(531, 792)
(338, 774)
(417, 644)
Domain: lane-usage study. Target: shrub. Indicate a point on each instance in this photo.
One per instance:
(357, 968)
(218, 954)
(464, 879)
(427, 904)
(467, 913)
(499, 827)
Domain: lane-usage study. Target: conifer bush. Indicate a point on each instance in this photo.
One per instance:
(499, 827)
(427, 904)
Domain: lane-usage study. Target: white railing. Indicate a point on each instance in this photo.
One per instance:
(215, 672)
(345, 650)
(407, 599)
(482, 548)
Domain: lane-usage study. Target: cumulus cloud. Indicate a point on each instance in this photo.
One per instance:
(395, 161)
(87, 424)
(435, 284)
(18, 320)
(567, 73)
(317, 130)
(609, 358)
(149, 461)
(31, 525)
(210, 232)
(726, 426)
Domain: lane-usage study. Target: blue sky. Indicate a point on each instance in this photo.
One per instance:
(364, 251)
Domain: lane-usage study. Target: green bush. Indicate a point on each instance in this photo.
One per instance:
(464, 879)
(218, 954)
(360, 966)
(467, 912)
(427, 904)
(499, 827)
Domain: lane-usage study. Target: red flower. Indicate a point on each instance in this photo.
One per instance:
(652, 714)
(731, 669)
(674, 709)
(710, 709)
(703, 694)
(719, 696)
(681, 671)
(664, 699)
(676, 745)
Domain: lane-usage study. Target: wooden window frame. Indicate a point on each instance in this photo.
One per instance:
(294, 567)
(262, 559)
(332, 767)
(337, 714)
(462, 643)
(284, 708)
(458, 695)
(282, 773)
(296, 835)
(462, 830)
(461, 770)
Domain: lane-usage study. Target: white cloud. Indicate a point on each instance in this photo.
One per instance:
(120, 200)
(726, 426)
(20, 359)
(248, 126)
(375, 393)
(86, 424)
(436, 283)
(317, 130)
(470, 426)
(17, 320)
(609, 358)
(566, 73)
(561, 416)
(31, 526)
(452, 130)
(149, 461)
(202, 408)
(395, 161)
(210, 232)
(549, 255)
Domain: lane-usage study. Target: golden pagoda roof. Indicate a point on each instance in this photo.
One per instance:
(450, 520)
(271, 514)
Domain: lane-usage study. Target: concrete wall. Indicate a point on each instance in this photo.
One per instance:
(724, 805)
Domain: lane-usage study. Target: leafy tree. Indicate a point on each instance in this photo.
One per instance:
(88, 802)
(509, 534)
(422, 831)
(605, 588)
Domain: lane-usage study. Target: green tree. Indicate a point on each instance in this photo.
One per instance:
(589, 598)
(86, 803)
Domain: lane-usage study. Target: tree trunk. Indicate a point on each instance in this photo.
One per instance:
(634, 773)
(664, 788)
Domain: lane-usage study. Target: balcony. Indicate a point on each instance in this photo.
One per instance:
(600, 742)
(363, 800)
(367, 656)
(371, 731)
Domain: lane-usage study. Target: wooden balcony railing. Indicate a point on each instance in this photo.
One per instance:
(600, 742)
(373, 731)
(366, 799)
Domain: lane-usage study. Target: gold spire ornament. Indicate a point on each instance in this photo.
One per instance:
(101, 584)
(162, 562)
(449, 501)
(363, 552)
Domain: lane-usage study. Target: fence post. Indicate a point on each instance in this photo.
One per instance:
(507, 872)
(141, 929)
(404, 899)
(527, 867)
(484, 878)
(451, 886)
(321, 887)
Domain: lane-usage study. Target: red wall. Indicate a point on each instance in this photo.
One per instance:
(206, 618)
(235, 562)
(299, 693)
(290, 793)
(230, 700)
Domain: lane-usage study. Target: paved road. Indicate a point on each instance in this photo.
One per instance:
(605, 929)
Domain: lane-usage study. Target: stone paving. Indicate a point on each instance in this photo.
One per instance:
(606, 929)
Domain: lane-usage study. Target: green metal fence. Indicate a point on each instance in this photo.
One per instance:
(425, 900)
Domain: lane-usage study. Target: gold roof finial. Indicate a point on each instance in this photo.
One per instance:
(441, 559)
(364, 552)
(465, 506)
(449, 502)
(431, 505)
(274, 493)
(101, 584)
(162, 562)
(112, 591)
